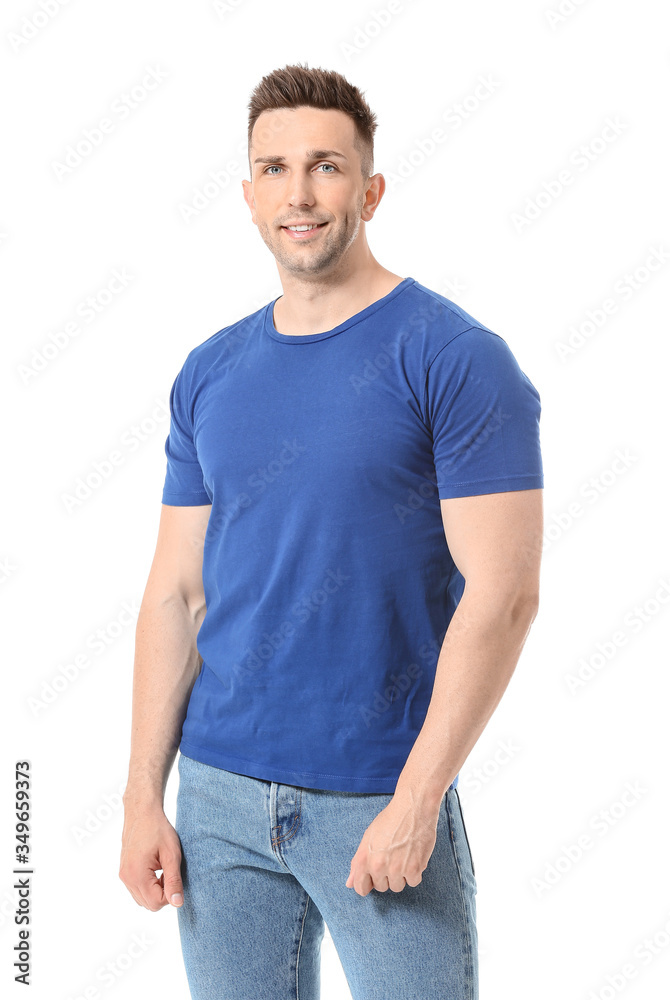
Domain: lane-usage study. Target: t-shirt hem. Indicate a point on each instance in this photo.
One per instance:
(185, 499)
(303, 779)
(504, 485)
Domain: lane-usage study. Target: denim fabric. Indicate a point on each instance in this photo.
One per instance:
(265, 865)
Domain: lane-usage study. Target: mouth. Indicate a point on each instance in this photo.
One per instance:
(304, 234)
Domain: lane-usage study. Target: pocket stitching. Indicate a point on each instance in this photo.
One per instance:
(467, 841)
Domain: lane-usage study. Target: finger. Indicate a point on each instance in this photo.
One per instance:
(380, 882)
(397, 883)
(135, 896)
(131, 880)
(355, 879)
(363, 884)
(416, 882)
(150, 890)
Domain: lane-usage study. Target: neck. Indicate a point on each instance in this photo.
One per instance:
(314, 305)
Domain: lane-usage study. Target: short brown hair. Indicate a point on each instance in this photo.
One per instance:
(298, 86)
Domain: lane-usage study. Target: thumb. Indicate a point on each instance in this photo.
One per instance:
(172, 883)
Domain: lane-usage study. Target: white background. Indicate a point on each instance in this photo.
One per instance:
(550, 925)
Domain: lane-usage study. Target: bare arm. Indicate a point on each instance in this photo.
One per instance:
(496, 543)
(167, 664)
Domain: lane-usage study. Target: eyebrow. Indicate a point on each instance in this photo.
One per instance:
(311, 154)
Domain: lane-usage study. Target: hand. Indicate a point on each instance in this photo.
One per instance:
(149, 843)
(395, 848)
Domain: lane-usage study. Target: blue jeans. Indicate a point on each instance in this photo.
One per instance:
(264, 866)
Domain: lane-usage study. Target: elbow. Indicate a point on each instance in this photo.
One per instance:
(524, 607)
(509, 609)
(197, 610)
(190, 605)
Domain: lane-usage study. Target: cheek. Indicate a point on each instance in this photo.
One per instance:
(349, 212)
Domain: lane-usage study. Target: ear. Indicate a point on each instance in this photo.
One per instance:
(249, 198)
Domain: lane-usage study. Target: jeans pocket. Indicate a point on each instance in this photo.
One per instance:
(460, 809)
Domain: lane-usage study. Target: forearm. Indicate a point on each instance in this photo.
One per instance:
(480, 651)
(166, 667)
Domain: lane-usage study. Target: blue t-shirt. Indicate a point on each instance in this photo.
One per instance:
(328, 580)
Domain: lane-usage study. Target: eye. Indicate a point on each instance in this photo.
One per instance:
(274, 166)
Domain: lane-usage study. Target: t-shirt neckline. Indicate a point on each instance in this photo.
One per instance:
(363, 314)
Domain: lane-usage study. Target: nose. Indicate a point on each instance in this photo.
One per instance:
(299, 191)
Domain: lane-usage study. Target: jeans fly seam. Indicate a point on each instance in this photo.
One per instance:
(296, 819)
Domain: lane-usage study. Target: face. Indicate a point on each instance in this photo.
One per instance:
(305, 169)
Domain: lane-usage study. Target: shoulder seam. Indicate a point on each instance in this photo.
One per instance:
(224, 329)
(424, 400)
(473, 326)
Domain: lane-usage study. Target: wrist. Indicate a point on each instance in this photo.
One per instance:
(142, 796)
(422, 797)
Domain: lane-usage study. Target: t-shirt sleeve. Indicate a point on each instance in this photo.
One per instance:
(184, 482)
(484, 416)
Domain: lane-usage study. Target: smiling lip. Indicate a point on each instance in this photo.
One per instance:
(307, 233)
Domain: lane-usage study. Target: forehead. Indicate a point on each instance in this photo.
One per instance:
(297, 129)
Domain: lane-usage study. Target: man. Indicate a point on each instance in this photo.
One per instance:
(351, 529)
